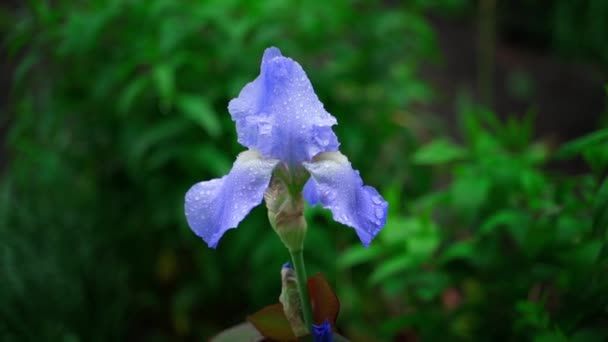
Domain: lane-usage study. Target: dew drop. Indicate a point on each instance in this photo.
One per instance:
(379, 213)
(377, 199)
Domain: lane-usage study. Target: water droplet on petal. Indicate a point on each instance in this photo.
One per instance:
(379, 212)
(377, 199)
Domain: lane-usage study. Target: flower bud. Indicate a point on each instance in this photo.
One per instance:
(290, 299)
(286, 214)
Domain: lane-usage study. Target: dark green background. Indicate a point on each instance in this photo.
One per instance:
(497, 224)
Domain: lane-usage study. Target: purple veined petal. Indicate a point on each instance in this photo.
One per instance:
(322, 332)
(340, 189)
(212, 207)
(280, 115)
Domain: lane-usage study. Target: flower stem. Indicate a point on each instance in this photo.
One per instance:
(297, 257)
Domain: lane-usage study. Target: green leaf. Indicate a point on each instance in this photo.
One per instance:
(164, 78)
(600, 212)
(24, 67)
(578, 146)
(130, 94)
(509, 218)
(459, 250)
(588, 334)
(395, 231)
(323, 299)
(423, 238)
(391, 268)
(357, 254)
(551, 336)
(584, 256)
(162, 131)
(440, 151)
(469, 193)
(197, 109)
(272, 323)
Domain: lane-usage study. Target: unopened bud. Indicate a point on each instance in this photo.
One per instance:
(290, 299)
(286, 215)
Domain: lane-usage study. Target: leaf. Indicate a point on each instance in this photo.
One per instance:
(397, 229)
(211, 158)
(589, 334)
(323, 299)
(130, 94)
(584, 256)
(600, 212)
(272, 323)
(164, 78)
(459, 250)
(577, 146)
(440, 151)
(197, 109)
(161, 131)
(391, 267)
(423, 239)
(24, 67)
(469, 193)
(509, 218)
(357, 254)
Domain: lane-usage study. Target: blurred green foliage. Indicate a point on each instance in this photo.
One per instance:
(575, 29)
(117, 107)
(502, 248)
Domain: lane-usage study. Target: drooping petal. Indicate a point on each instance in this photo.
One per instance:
(322, 332)
(340, 189)
(310, 192)
(280, 115)
(214, 206)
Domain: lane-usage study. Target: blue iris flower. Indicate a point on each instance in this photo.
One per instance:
(322, 333)
(283, 124)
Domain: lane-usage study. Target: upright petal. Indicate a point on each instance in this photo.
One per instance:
(340, 189)
(212, 207)
(280, 115)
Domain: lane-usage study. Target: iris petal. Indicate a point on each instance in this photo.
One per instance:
(212, 207)
(280, 115)
(340, 189)
(322, 332)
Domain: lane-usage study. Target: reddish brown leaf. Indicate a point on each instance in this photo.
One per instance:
(272, 323)
(325, 304)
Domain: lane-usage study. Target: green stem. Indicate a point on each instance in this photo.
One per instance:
(297, 257)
